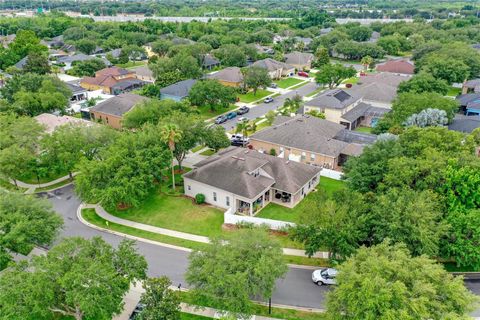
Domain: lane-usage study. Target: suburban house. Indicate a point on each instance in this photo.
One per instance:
(310, 140)
(304, 41)
(471, 86)
(398, 66)
(464, 123)
(374, 37)
(55, 42)
(144, 73)
(177, 91)
(345, 108)
(209, 62)
(78, 93)
(247, 180)
(378, 89)
(21, 64)
(7, 39)
(113, 80)
(276, 69)
(69, 60)
(300, 60)
(51, 121)
(231, 76)
(111, 111)
(469, 102)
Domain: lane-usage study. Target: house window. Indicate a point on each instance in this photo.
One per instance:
(312, 157)
(189, 188)
(107, 119)
(215, 196)
(227, 201)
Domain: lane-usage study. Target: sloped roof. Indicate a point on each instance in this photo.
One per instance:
(376, 91)
(113, 71)
(21, 64)
(230, 74)
(465, 99)
(298, 58)
(465, 123)
(209, 60)
(143, 71)
(474, 83)
(51, 121)
(179, 89)
(397, 66)
(231, 169)
(271, 65)
(312, 134)
(333, 99)
(119, 105)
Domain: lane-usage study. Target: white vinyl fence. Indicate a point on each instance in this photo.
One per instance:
(231, 218)
(331, 174)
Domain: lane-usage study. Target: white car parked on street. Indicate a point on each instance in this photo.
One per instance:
(324, 276)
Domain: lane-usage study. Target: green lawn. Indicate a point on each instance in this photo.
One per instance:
(30, 177)
(278, 212)
(453, 92)
(176, 213)
(54, 186)
(11, 187)
(198, 148)
(364, 129)
(189, 316)
(205, 112)
(287, 82)
(249, 97)
(208, 152)
(131, 64)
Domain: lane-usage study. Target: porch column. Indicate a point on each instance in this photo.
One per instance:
(251, 209)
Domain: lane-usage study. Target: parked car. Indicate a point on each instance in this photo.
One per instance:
(242, 119)
(138, 309)
(243, 110)
(231, 115)
(302, 74)
(273, 85)
(221, 119)
(238, 140)
(324, 276)
(268, 100)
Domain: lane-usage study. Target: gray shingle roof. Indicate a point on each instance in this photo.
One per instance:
(305, 133)
(271, 65)
(465, 124)
(230, 74)
(333, 99)
(119, 105)
(179, 89)
(75, 88)
(209, 61)
(143, 71)
(464, 99)
(364, 109)
(231, 169)
(298, 58)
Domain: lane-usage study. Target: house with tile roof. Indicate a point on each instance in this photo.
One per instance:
(113, 80)
(276, 69)
(311, 140)
(231, 77)
(110, 112)
(247, 180)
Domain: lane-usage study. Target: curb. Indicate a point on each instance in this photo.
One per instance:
(124, 235)
(301, 266)
(50, 190)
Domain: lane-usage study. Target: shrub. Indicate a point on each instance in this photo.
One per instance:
(200, 198)
(273, 152)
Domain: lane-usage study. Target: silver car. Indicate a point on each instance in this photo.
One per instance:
(324, 276)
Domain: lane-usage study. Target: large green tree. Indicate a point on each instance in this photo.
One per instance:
(230, 272)
(83, 279)
(216, 138)
(25, 221)
(160, 302)
(424, 82)
(385, 282)
(256, 77)
(333, 74)
(212, 94)
(37, 63)
(87, 67)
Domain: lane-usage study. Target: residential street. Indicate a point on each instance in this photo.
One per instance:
(296, 289)
(263, 108)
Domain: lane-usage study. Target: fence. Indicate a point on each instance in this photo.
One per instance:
(331, 174)
(231, 218)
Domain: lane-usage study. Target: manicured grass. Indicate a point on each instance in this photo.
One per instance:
(91, 216)
(453, 92)
(131, 64)
(208, 152)
(249, 97)
(364, 129)
(30, 177)
(205, 112)
(54, 186)
(11, 187)
(190, 316)
(352, 80)
(314, 92)
(278, 212)
(198, 148)
(287, 82)
(176, 213)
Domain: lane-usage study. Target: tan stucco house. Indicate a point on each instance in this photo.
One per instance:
(231, 77)
(247, 180)
(113, 80)
(276, 69)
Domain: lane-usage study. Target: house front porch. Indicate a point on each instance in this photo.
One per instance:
(251, 208)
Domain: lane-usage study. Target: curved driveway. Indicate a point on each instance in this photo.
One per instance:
(296, 289)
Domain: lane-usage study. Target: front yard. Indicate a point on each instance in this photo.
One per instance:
(206, 113)
(249, 97)
(278, 212)
(453, 92)
(364, 129)
(287, 82)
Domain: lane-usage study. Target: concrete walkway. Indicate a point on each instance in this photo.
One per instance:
(178, 234)
(31, 187)
(132, 298)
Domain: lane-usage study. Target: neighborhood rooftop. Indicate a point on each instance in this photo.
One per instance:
(119, 105)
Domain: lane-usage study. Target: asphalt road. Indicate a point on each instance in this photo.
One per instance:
(263, 108)
(297, 289)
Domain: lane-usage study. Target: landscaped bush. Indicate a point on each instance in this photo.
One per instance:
(200, 198)
(273, 152)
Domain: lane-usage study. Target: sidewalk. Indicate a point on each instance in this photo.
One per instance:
(31, 187)
(176, 234)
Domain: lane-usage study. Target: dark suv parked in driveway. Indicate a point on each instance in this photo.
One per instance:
(243, 110)
(221, 119)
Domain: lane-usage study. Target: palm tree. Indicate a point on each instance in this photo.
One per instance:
(366, 61)
(170, 134)
(243, 128)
